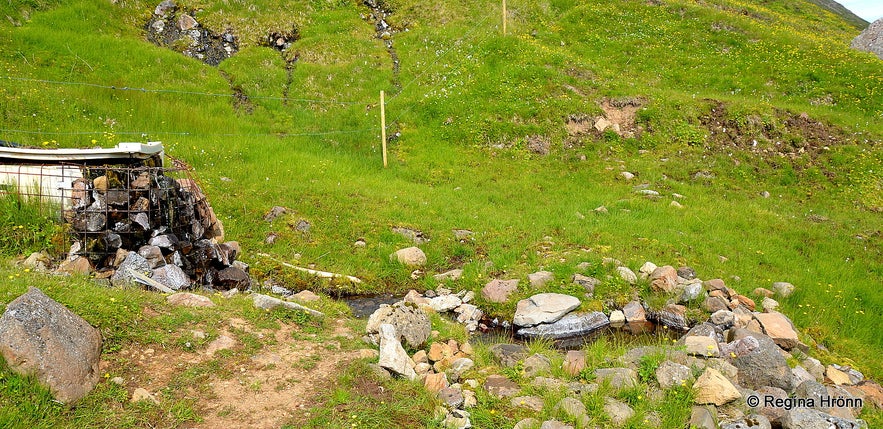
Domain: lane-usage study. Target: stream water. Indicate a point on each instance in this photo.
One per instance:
(631, 334)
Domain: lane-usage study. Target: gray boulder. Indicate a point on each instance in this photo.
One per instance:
(784, 289)
(540, 278)
(41, 337)
(543, 308)
(172, 276)
(133, 262)
(536, 365)
(805, 418)
(759, 361)
(508, 354)
(574, 410)
(753, 421)
(703, 417)
(265, 302)
(411, 324)
(588, 283)
(568, 326)
(619, 412)
(670, 374)
(617, 378)
(392, 356)
(871, 39)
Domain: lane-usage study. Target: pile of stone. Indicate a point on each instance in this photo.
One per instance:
(735, 358)
(179, 30)
(135, 222)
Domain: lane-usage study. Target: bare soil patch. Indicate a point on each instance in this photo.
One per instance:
(787, 135)
(232, 388)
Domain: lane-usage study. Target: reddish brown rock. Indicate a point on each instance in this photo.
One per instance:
(714, 284)
(186, 299)
(664, 279)
(766, 293)
(778, 327)
(574, 362)
(873, 393)
(499, 290)
(78, 265)
(435, 382)
(746, 301)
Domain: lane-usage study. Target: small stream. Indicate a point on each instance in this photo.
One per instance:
(362, 306)
(631, 334)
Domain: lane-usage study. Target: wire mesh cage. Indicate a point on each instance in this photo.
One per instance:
(112, 207)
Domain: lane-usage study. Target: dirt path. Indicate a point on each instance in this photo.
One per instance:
(266, 389)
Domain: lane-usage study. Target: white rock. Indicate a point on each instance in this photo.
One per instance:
(647, 269)
(452, 275)
(445, 303)
(392, 356)
(411, 256)
(543, 308)
(628, 275)
(540, 278)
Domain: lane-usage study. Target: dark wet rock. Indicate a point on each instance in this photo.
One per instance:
(180, 31)
(672, 316)
(232, 278)
(759, 361)
(686, 273)
(571, 325)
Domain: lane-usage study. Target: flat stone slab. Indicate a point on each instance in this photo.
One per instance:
(543, 308)
(500, 386)
(568, 326)
(778, 327)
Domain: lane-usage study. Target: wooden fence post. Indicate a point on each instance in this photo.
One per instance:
(383, 126)
(504, 17)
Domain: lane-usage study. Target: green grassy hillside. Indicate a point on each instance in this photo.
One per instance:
(755, 96)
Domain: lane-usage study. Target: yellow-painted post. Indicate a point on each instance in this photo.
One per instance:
(383, 126)
(504, 17)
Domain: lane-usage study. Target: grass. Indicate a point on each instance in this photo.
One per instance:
(460, 120)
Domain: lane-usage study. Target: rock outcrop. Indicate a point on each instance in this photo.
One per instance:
(871, 40)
